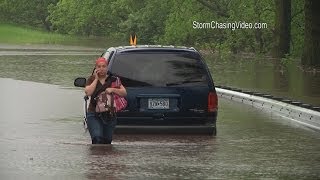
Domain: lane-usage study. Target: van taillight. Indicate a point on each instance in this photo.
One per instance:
(212, 102)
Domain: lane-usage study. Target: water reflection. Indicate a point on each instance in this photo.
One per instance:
(100, 150)
(60, 70)
(268, 76)
(103, 162)
(154, 156)
(280, 77)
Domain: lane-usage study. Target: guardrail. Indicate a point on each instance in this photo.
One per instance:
(304, 114)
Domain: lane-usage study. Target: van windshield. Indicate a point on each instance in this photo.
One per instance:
(159, 68)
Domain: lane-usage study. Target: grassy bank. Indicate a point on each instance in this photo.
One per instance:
(12, 34)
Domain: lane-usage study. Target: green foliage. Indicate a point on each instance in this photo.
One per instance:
(161, 22)
(297, 28)
(145, 18)
(252, 40)
(81, 17)
(286, 60)
(27, 12)
(179, 25)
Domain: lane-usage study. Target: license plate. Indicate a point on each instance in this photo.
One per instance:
(158, 103)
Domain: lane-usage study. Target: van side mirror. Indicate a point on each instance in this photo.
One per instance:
(80, 82)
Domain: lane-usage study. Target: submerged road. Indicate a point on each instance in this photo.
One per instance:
(42, 136)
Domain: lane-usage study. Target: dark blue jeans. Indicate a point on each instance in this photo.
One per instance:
(100, 131)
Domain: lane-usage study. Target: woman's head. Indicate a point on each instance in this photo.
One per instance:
(101, 66)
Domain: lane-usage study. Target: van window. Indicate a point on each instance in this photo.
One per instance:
(159, 68)
(107, 54)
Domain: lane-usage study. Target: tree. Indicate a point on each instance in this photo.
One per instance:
(311, 53)
(145, 18)
(26, 12)
(219, 7)
(297, 28)
(82, 17)
(282, 28)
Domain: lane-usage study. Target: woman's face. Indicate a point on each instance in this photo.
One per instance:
(102, 68)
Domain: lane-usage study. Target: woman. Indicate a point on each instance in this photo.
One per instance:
(101, 131)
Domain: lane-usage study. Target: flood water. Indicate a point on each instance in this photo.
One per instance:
(286, 80)
(42, 135)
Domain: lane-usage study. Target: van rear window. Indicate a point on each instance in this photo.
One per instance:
(146, 68)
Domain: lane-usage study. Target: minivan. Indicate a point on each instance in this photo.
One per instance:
(169, 89)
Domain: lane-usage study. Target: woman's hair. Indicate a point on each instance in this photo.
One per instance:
(101, 59)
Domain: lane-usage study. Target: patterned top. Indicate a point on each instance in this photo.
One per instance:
(119, 102)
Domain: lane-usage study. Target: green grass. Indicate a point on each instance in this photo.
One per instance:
(18, 35)
(13, 34)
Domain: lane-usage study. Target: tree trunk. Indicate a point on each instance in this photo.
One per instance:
(282, 28)
(46, 24)
(311, 53)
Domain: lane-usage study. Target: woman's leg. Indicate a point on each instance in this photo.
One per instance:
(95, 128)
(108, 128)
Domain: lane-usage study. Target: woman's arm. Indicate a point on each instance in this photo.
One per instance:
(121, 91)
(91, 86)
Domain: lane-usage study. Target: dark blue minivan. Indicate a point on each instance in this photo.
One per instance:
(170, 89)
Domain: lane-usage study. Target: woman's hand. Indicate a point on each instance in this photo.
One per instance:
(110, 90)
(96, 73)
(121, 91)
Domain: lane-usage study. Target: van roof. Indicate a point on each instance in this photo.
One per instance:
(158, 47)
